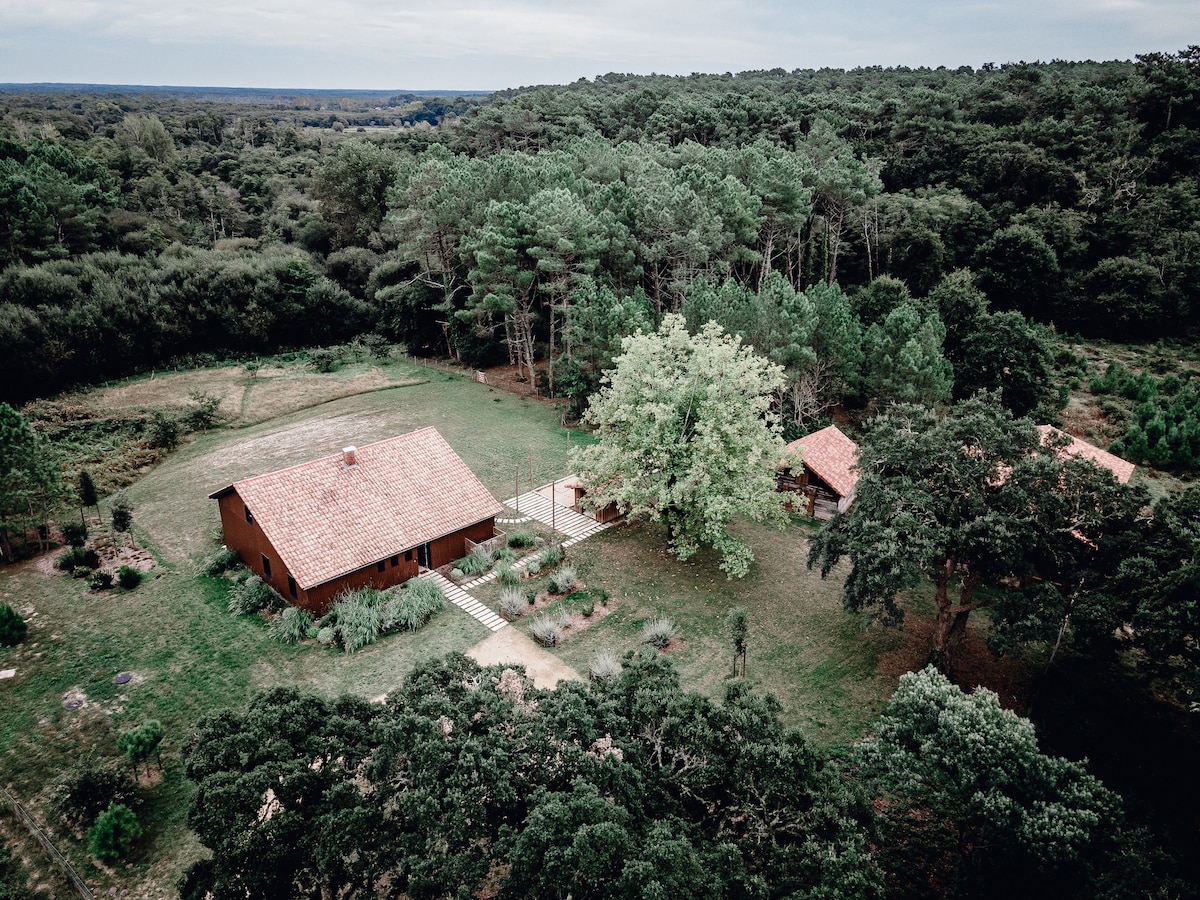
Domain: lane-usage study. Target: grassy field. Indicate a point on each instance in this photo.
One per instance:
(190, 657)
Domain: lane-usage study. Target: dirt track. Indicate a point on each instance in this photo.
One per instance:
(509, 645)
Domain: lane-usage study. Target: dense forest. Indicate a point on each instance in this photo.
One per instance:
(884, 236)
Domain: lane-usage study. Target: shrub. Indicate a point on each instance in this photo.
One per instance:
(121, 511)
(12, 627)
(545, 630)
(81, 572)
(141, 743)
(474, 563)
(326, 635)
(533, 567)
(204, 414)
(359, 616)
(658, 632)
(507, 574)
(522, 537)
(605, 666)
(562, 580)
(114, 833)
(75, 533)
(512, 603)
(75, 557)
(100, 580)
(457, 574)
(252, 595)
(164, 433)
(128, 577)
(504, 554)
(413, 605)
(221, 561)
(325, 359)
(89, 787)
(551, 556)
(588, 609)
(292, 625)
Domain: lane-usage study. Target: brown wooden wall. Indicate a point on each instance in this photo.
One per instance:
(319, 598)
(447, 549)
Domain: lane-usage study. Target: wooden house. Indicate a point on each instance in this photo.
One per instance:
(368, 516)
(827, 476)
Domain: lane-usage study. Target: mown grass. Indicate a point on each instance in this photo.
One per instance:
(190, 657)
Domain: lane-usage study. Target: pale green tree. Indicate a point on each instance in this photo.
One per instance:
(687, 437)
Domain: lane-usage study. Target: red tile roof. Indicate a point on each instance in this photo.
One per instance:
(1078, 447)
(326, 519)
(831, 456)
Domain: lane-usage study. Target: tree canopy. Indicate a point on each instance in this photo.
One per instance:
(686, 436)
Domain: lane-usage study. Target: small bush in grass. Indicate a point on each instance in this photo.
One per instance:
(522, 537)
(128, 577)
(513, 603)
(504, 554)
(562, 580)
(12, 627)
(605, 666)
(100, 580)
(326, 635)
(88, 788)
(565, 617)
(75, 533)
(359, 618)
(658, 632)
(457, 574)
(252, 595)
(545, 630)
(507, 574)
(81, 572)
(474, 563)
(221, 561)
(533, 567)
(551, 556)
(292, 625)
(75, 557)
(413, 605)
(588, 609)
(114, 833)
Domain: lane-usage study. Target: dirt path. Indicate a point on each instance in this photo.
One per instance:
(510, 645)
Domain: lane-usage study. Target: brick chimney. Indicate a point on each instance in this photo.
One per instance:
(349, 456)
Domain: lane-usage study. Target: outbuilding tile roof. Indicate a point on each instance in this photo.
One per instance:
(1121, 468)
(326, 519)
(831, 456)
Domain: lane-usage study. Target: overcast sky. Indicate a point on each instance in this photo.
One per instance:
(491, 44)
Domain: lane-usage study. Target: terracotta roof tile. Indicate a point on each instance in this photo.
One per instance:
(831, 456)
(1079, 447)
(326, 519)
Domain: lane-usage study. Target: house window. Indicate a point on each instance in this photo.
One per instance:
(379, 566)
(249, 516)
(292, 587)
(408, 556)
(395, 560)
(266, 566)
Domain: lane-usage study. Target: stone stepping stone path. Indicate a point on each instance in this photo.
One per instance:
(465, 601)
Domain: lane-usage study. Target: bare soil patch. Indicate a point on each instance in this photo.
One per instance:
(512, 646)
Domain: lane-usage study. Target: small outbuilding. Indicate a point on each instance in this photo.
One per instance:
(1122, 469)
(368, 516)
(827, 476)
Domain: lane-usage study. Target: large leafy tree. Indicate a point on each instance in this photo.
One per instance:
(687, 436)
(961, 500)
(970, 807)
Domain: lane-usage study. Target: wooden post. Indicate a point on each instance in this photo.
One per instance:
(531, 484)
(517, 491)
(567, 467)
(553, 507)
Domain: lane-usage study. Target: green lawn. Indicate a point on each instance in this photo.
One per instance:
(190, 657)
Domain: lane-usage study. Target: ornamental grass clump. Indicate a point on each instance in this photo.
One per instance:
(522, 538)
(507, 574)
(292, 625)
(359, 617)
(658, 632)
(252, 595)
(563, 580)
(605, 667)
(551, 556)
(413, 605)
(504, 555)
(221, 561)
(512, 603)
(474, 563)
(128, 577)
(545, 630)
